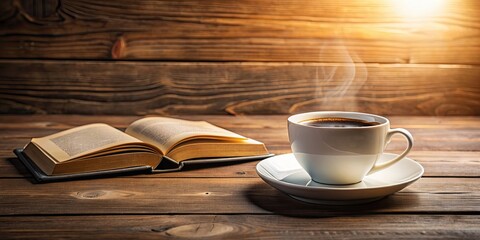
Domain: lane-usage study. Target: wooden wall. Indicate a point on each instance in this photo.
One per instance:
(238, 57)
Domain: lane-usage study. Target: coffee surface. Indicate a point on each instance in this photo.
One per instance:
(337, 122)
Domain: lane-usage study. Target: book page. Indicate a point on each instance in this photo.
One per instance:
(82, 140)
(165, 133)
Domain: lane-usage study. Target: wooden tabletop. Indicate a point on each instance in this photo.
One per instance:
(231, 201)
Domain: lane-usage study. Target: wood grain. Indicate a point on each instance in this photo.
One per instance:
(436, 164)
(286, 30)
(55, 122)
(92, 87)
(445, 146)
(230, 202)
(277, 141)
(406, 226)
(204, 195)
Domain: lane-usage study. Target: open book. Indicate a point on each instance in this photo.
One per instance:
(146, 142)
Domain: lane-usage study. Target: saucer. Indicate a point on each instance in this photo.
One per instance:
(285, 174)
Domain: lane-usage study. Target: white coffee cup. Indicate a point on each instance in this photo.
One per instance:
(342, 155)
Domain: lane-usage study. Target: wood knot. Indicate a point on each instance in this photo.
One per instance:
(201, 230)
(161, 229)
(102, 194)
(92, 194)
(119, 48)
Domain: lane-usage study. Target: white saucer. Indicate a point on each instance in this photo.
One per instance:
(285, 174)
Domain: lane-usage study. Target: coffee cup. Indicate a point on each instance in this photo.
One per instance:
(337, 147)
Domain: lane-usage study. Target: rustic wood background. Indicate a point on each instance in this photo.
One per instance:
(237, 57)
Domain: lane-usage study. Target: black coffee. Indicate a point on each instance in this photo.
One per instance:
(337, 122)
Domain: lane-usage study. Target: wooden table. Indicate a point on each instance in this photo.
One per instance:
(231, 201)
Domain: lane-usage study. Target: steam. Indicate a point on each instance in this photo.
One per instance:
(336, 85)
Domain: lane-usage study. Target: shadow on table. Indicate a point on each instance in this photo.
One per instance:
(280, 203)
(20, 168)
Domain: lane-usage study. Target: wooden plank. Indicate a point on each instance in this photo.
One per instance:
(56, 122)
(446, 146)
(286, 30)
(436, 164)
(430, 133)
(448, 163)
(406, 226)
(218, 196)
(91, 87)
(425, 139)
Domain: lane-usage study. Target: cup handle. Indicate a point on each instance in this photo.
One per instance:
(377, 167)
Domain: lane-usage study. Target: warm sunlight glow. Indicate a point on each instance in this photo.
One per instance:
(414, 9)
